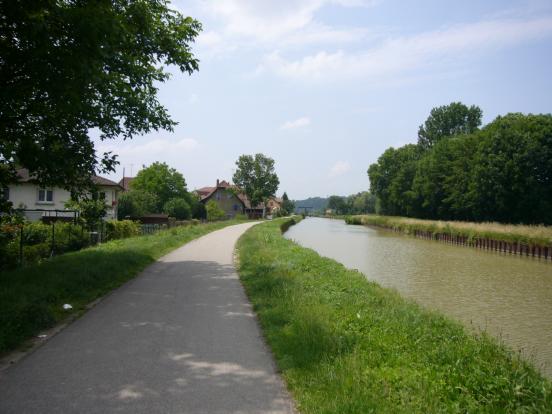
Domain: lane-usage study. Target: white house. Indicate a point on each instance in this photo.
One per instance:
(27, 195)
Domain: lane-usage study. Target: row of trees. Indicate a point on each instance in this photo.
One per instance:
(361, 203)
(501, 172)
(160, 189)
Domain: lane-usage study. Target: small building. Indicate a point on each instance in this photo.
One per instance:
(233, 200)
(26, 194)
(226, 196)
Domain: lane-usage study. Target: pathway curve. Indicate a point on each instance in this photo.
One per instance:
(180, 338)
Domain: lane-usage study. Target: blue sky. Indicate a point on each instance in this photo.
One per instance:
(325, 86)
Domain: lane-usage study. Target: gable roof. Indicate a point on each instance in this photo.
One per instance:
(24, 176)
(206, 192)
(125, 183)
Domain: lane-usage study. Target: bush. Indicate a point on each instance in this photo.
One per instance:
(178, 208)
(240, 216)
(214, 212)
(122, 229)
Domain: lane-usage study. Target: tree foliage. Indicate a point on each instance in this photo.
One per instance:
(502, 172)
(288, 206)
(163, 182)
(447, 121)
(256, 177)
(135, 204)
(178, 208)
(69, 67)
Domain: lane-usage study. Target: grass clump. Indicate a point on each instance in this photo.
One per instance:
(31, 297)
(512, 233)
(346, 345)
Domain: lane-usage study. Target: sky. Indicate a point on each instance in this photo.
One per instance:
(325, 86)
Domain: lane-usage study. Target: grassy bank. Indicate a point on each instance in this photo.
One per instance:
(31, 298)
(529, 235)
(346, 345)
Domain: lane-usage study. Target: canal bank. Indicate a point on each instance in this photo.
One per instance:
(344, 344)
(507, 296)
(529, 241)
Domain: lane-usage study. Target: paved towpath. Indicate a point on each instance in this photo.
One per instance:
(180, 338)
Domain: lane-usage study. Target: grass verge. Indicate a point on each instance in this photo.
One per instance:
(511, 233)
(346, 345)
(31, 298)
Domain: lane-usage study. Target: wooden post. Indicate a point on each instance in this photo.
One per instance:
(21, 245)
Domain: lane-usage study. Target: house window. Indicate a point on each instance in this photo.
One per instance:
(102, 195)
(45, 195)
(235, 207)
(218, 196)
(5, 194)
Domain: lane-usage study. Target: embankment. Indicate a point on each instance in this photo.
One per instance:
(534, 241)
(346, 345)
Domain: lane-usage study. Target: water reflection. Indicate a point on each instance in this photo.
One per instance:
(509, 296)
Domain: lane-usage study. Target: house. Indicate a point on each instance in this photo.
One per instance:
(125, 182)
(233, 200)
(40, 202)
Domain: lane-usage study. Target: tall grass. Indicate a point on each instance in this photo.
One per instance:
(346, 345)
(31, 298)
(531, 235)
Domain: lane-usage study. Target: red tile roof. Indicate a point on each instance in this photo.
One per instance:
(125, 182)
(23, 176)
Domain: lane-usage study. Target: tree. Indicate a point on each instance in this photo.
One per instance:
(447, 121)
(135, 204)
(214, 212)
(256, 177)
(288, 206)
(391, 180)
(178, 208)
(337, 204)
(69, 67)
(163, 182)
(91, 210)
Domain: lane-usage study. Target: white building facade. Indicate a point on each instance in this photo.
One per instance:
(29, 196)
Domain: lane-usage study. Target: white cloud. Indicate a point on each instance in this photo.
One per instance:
(339, 168)
(246, 23)
(404, 54)
(150, 149)
(297, 123)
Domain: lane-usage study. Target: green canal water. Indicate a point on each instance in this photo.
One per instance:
(510, 297)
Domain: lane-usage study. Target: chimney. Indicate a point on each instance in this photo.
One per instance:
(217, 182)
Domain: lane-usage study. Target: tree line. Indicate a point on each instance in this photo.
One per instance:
(459, 171)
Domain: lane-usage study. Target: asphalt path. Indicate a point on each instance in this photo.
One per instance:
(179, 338)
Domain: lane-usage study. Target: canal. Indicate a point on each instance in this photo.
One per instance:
(510, 297)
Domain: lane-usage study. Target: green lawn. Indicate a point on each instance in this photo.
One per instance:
(346, 345)
(31, 298)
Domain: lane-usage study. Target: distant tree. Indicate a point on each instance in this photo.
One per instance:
(70, 67)
(135, 203)
(288, 206)
(178, 208)
(198, 208)
(447, 121)
(362, 203)
(256, 177)
(337, 204)
(163, 182)
(214, 212)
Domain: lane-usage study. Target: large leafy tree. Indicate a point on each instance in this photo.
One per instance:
(68, 67)
(256, 177)
(135, 204)
(163, 182)
(447, 121)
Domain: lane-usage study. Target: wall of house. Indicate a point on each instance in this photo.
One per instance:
(25, 195)
(227, 201)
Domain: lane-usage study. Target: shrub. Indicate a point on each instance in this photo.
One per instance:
(214, 212)
(178, 208)
(241, 216)
(122, 229)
